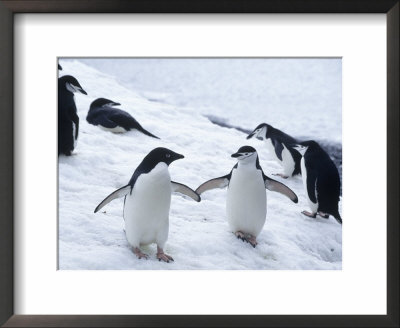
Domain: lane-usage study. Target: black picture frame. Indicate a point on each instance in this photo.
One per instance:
(10, 7)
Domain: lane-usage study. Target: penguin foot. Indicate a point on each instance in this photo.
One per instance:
(247, 238)
(323, 215)
(252, 241)
(281, 175)
(240, 235)
(139, 253)
(161, 256)
(310, 215)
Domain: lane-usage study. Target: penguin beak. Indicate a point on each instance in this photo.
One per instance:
(82, 91)
(116, 104)
(251, 135)
(236, 155)
(178, 156)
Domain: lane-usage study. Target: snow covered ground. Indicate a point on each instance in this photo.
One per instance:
(302, 97)
(199, 237)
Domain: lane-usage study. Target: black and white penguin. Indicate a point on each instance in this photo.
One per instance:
(279, 145)
(103, 114)
(246, 200)
(147, 202)
(321, 181)
(68, 120)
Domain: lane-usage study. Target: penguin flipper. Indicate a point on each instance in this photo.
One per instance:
(106, 122)
(121, 192)
(274, 185)
(185, 190)
(278, 148)
(311, 184)
(220, 182)
(125, 120)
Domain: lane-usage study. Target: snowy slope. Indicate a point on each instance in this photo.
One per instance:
(297, 95)
(199, 237)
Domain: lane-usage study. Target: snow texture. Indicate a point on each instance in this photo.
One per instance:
(199, 237)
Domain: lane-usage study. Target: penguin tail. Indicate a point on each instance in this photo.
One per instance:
(147, 133)
(338, 217)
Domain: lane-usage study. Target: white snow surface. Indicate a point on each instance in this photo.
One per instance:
(199, 237)
(300, 96)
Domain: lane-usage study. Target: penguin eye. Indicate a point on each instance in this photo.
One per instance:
(246, 154)
(168, 155)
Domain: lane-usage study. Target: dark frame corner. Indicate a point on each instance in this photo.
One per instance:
(10, 7)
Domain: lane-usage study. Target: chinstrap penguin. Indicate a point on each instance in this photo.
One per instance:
(246, 200)
(68, 119)
(279, 145)
(321, 181)
(147, 202)
(103, 114)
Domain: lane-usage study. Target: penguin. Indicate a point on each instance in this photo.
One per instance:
(147, 202)
(103, 114)
(321, 181)
(246, 199)
(59, 67)
(68, 120)
(279, 145)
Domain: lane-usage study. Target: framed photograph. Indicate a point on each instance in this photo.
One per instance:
(200, 164)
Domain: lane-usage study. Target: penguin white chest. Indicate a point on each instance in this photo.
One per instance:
(246, 203)
(75, 140)
(146, 210)
(117, 129)
(287, 162)
(271, 150)
(313, 206)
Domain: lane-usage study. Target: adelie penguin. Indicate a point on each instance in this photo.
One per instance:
(68, 120)
(321, 181)
(279, 145)
(147, 202)
(246, 200)
(102, 113)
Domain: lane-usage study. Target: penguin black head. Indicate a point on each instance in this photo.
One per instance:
(260, 132)
(162, 155)
(103, 102)
(71, 84)
(304, 146)
(245, 153)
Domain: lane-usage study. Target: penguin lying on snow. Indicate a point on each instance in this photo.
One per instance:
(246, 200)
(103, 114)
(147, 202)
(68, 120)
(321, 181)
(279, 145)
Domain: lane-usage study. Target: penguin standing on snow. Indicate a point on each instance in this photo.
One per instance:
(246, 200)
(321, 181)
(279, 145)
(103, 114)
(68, 120)
(147, 202)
